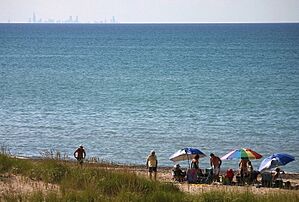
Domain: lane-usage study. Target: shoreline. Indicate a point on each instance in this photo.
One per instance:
(165, 171)
(117, 164)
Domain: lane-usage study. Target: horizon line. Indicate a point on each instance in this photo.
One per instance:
(109, 23)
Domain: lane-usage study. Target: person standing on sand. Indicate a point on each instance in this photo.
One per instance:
(195, 165)
(152, 164)
(215, 163)
(80, 155)
(243, 165)
(195, 162)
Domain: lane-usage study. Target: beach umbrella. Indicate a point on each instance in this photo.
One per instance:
(241, 154)
(186, 154)
(275, 160)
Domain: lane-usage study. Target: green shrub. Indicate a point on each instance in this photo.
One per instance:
(125, 196)
(50, 171)
(285, 197)
(14, 165)
(11, 197)
(228, 196)
(6, 163)
(54, 171)
(160, 195)
(36, 197)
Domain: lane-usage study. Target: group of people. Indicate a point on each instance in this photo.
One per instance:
(246, 170)
(273, 179)
(246, 173)
(215, 162)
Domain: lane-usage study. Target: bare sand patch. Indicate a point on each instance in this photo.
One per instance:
(17, 184)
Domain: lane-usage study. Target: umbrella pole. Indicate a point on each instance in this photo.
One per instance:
(186, 173)
(187, 157)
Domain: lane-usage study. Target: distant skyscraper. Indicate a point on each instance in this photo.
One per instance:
(77, 19)
(113, 20)
(33, 17)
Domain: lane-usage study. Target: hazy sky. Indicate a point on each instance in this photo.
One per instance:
(152, 10)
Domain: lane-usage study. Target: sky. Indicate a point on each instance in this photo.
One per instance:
(151, 11)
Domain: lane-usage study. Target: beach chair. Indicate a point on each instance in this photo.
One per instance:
(209, 175)
(206, 177)
(253, 177)
(178, 176)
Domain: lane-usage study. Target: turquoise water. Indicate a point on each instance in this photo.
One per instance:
(123, 90)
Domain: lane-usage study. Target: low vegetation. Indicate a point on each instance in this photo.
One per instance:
(95, 183)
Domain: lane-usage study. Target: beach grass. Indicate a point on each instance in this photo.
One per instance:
(247, 196)
(92, 183)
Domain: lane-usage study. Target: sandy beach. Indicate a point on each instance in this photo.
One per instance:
(10, 183)
(164, 174)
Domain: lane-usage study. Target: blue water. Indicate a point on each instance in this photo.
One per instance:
(123, 90)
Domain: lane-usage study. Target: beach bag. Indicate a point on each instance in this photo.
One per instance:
(192, 175)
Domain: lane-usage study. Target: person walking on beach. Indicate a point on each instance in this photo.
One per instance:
(215, 163)
(152, 164)
(80, 155)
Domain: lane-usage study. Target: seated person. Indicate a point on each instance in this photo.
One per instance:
(277, 178)
(250, 173)
(177, 173)
(239, 179)
(288, 185)
(266, 179)
(229, 176)
(254, 176)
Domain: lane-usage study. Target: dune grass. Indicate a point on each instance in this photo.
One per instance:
(92, 183)
(247, 196)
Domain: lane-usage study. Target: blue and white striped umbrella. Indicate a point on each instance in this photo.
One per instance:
(186, 154)
(276, 160)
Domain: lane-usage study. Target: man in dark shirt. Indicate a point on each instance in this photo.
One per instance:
(80, 155)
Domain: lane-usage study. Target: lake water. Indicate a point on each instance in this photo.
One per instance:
(122, 90)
